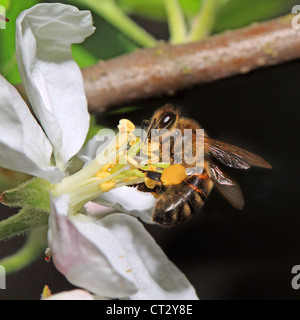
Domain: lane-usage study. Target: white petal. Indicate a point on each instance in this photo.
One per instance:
(52, 79)
(157, 276)
(88, 254)
(129, 200)
(98, 211)
(23, 145)
(76, 294)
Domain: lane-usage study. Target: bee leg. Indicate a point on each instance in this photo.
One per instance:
(154, 175)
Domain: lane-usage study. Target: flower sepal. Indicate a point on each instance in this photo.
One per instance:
(33, 197)
(33, 194)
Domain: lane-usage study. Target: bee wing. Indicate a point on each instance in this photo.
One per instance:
(227, 186)
(233, 156)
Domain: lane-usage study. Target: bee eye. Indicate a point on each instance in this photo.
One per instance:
(167, 120)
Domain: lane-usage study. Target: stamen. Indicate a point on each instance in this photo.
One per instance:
(102, 174)
(126, 126)
(46, 292)
(116, 166)
(106, 186)
(133, 162)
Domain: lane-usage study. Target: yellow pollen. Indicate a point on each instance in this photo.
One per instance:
(126, 126)
(174, 174)
(150, 183)
(106, 186)
(46, 292)
(102, 174)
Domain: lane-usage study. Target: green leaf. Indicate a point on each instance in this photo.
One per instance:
(35, 245)
(108, 10)
(26, 219)
(155, 9)
(230, 14)
(5, 4)
(33, 193)
(107, 42)
(239, 13)
(123, 110)
(8, 62)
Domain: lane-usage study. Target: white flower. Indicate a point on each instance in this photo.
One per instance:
(54, 86)
(114, 257)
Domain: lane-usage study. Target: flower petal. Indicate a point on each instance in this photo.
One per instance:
(129, 200)
(157, 277)
(23, 145)
(88, 254)
(52, 79)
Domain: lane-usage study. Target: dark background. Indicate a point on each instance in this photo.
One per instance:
(225, 253)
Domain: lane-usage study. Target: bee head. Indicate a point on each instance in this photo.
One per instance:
(165, 118)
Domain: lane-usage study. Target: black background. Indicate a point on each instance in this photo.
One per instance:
(225, 253)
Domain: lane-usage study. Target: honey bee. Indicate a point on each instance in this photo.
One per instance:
(177, 203)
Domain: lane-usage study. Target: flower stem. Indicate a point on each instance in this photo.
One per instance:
(35, 245)
(176, 21)
(116, 17)
(204, 21)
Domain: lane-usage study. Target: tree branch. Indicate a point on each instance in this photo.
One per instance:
(168, 68)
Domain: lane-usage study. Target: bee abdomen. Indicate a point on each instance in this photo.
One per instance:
(181, 201)
(170, 212)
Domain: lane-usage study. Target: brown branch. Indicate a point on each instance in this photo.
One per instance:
(167, 68)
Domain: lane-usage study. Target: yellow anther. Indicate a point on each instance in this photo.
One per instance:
(174, 174)
(106, 167)
(106, 186)
(150, 183)
(102, 174)
(126, 126)
(130, 178)
(46, 292)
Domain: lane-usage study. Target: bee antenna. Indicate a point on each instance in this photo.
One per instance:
(149, 130)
